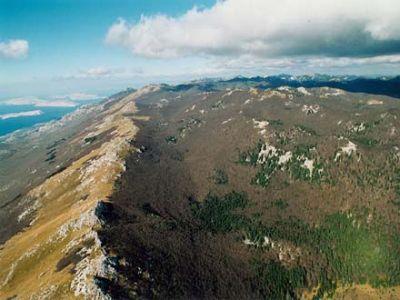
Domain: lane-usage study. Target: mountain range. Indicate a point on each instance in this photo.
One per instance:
(277, 187)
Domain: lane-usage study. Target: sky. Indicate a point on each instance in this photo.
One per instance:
(81, 48)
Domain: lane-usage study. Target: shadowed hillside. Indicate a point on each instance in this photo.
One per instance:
(249, 193)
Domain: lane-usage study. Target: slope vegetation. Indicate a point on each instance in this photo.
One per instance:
(249, 193)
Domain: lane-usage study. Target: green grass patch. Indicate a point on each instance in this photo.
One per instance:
(396, 181)
(354, 251)
(281, 204)
(250, 157)
(303, 149)
(277, 281)
(277, 122)
(283, 141)
(295, 166)
(217, 214)
(365, 141)
(265, 172)
(348, 248)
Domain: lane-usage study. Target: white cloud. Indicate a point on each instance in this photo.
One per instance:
(21, 114)
(101, 73)
(255, 65)
(91, 73)
(14, 49)
(267, 28)
(96, 72)
(347, 61)
(49, 103)
(79, 97)
(38, 102)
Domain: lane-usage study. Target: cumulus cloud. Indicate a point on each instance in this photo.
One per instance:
(267, 29)
(38, 102)
(21, 114)
(14, 49)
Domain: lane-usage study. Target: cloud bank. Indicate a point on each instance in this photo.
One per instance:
(14, 49)
(21, 114)
(96, 72)
(39, 102)
(267, 29)
(79, 97)
(101, 73)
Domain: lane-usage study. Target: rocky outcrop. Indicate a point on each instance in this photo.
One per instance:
(60, 253)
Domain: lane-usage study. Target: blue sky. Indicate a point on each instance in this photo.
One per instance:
(67, 36)
(99, 46)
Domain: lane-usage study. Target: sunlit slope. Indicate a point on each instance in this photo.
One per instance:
(59, 255)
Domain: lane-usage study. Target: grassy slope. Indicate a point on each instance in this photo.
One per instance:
(30, 261)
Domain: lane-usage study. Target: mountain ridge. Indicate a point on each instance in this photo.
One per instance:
(213, 190)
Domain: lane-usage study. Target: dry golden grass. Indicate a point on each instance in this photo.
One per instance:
(366, 292)
(28, 260)
(358, 292)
